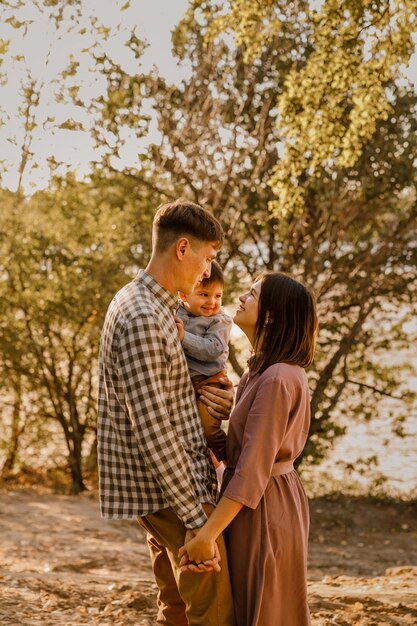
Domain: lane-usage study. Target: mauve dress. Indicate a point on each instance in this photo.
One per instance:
(267, 540)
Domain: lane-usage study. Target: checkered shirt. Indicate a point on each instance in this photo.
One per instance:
(152, 452)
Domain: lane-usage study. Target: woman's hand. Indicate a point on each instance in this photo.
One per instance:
(201, 551)
(219, 402)
(199, 554)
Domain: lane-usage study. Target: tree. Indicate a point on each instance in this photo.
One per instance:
(13, 383)
(48, 123)
(345, 200)
(51, 111)
(337, 90)
(64, 253)
(352, 240)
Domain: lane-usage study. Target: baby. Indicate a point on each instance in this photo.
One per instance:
(204, 329)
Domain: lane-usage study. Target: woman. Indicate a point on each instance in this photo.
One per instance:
(263, 506)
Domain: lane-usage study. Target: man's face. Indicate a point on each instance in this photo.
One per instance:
(206, 300)
(198, 265)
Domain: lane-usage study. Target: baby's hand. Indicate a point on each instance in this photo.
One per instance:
(180, 327)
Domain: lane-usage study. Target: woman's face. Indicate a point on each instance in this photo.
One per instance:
(247, 313)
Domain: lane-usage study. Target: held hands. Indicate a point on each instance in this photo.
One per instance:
(200, 550)
(199, 554)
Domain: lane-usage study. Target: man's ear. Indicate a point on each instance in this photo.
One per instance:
(182, 296)
(182, 246)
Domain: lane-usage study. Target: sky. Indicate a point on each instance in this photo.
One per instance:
(46, 53)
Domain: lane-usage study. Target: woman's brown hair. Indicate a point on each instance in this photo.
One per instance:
(286, 325)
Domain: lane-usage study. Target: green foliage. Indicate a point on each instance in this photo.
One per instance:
(64, 253)
(336, 92)
(353, 238)
(302, 114)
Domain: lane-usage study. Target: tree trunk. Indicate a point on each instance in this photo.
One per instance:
(233, 360)
(74, 441)
(76, 471)
(16, 431)
(91, 461)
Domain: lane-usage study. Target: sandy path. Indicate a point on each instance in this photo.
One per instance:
(60, 564)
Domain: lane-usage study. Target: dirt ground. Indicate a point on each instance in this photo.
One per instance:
(61, 565)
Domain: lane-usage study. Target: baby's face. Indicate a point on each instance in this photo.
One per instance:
(205, 300)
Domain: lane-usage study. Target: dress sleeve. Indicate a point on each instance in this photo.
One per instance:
(143, 365)
(263, 434)
(213, 344)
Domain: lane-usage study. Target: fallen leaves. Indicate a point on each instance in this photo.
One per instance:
(70, 568)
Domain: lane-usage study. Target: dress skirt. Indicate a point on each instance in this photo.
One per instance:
(267, 554)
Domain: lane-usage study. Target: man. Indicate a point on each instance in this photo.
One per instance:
(153, 458)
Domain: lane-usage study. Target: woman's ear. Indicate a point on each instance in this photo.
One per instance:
(182, 296)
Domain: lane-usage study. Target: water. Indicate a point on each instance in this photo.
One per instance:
(396, 456)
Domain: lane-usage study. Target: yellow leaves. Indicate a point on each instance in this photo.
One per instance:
(71, 69)
(93, 317)
(70, 124)
(4, 44)
(14, 22)
(333, 100)
(253, 23)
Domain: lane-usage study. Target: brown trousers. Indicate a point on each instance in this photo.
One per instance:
(216, 437)
(186, 598)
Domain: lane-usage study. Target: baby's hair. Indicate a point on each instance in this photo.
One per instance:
(216, 276)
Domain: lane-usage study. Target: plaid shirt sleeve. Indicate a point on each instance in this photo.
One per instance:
(144, 366)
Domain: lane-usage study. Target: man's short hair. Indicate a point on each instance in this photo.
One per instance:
(182, 218)
(216, 276)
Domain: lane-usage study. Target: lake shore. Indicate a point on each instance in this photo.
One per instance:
(61, 565)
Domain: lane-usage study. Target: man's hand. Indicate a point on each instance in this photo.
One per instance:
(180, 327)
(219, 402)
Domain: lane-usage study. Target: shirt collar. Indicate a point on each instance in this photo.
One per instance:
(163, 295)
